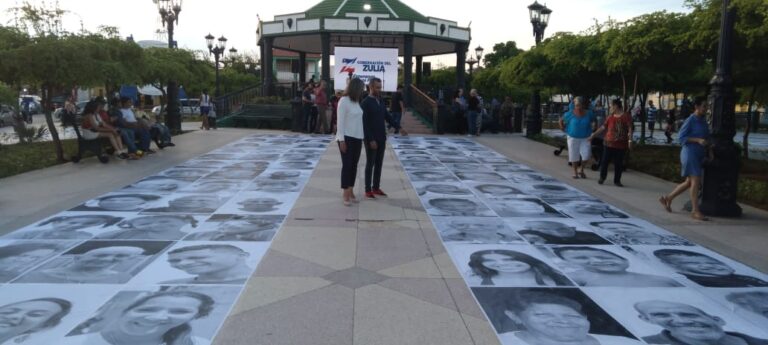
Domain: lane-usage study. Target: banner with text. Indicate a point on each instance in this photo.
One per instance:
(366, 63)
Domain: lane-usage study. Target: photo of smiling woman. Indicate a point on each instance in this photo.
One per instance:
(20, 321)
(67, 227)
(158, 318)
(500, 267)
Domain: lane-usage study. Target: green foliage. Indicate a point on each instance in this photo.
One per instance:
(233, 80)
(29, 134)
(441, 77)
(8, 96)
(501, 52)
(489, 82)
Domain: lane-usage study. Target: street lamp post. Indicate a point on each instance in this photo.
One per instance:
(217, 50)
(475, 59)
(539, 19)
(721, 175)
(169, 13)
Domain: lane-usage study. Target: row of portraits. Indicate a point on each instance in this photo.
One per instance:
(160, 261)
(550, 264)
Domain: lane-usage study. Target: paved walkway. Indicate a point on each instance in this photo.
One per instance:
(373, 273)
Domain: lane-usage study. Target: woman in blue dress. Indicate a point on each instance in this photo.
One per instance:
(693, 137)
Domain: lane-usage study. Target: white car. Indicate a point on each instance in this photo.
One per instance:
(189, 107)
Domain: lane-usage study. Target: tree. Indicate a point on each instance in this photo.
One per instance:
(163, 64)
(501, 52)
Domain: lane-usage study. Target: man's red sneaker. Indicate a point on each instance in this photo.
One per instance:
(370, 195)
(379, 192)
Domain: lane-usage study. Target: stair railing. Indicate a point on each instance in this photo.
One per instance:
(424, 106)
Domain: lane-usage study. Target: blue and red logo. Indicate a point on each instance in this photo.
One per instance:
(348, 68)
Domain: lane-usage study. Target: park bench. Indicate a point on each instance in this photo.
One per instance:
(83, 145)
(271, 116)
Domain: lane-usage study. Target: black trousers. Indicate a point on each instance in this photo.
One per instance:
(615, 156)
(349, 161)
(373, 161)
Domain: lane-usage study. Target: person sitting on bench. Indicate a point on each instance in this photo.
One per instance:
(128, 122)
(94, 128)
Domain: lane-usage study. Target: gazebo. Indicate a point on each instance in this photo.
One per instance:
(362, 23)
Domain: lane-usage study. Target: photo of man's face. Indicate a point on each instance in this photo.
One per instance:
(297, 165)
(454, 205)
(102, 258)
(448, 189)
(122, 203)
(480, 176)
(196, 202)
(497, 189)
(158, 224)
(682, 321)
(213, 186)
(259, 204)
(285, 175)
(554, 321)
(25, 259)
(158, 185)
(754, 301)
(203, 261)
(74, 223)
(275, 186)
(243, 226)
(698, 265)
(187, 173)
(433, 175)
(596, 260)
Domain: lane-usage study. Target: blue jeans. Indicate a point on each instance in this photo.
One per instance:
(396, 117)
(472, 121)
(129, 139)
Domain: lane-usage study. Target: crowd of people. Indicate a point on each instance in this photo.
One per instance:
(129, 134)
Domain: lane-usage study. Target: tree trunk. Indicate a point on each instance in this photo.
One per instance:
(643, 115)
(749, 121)
(624, 91)
(47, 92)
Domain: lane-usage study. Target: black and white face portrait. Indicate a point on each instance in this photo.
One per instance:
(273, 186)
(554, 190)
(441, 188)
(120, 202)
(590, 210)
(285, 175)
(476, 230)
(494, 265)
(466, 167)
(556, 231)
(549, 316)
(676, 316)
(158, 185)
(418, 158)
(67, 226)
(511, 168)
(636, 232)
(495, 160)
(153, 227)
(192, 203)
(188, 314)
(480, 176)
(432, 176)
(408, 147)
(457, 206)
(250, 165)
(97, 262)
(413, 152)
(219, 156)
(457, 159)
(223, 227)
(260, 203)
(495, 190)
(205, 163)
(295, 157)
(417, 165)
(526, 178)
(269, 157)
(39, 314)
(750, 304)
(235, 174)
(705, 268)
(230, 263)
(214, 186)
(608, 266)
(185, 173)
(523, 208)
(299, 165)
(18, 257)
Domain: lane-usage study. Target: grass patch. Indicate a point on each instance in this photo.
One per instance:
(20, 158)
(664, 162)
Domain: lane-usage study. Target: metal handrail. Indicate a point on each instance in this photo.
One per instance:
(425, 105)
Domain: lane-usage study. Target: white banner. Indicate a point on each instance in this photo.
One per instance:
(366, 63)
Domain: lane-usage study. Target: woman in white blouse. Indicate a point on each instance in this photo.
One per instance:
(349, 135)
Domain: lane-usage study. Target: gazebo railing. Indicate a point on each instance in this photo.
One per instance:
(425, 106)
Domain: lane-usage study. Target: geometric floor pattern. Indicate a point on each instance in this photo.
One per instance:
(160, 261)
(550, 264)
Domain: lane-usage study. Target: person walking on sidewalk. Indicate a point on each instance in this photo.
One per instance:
(321, 102)
(473, 111)
(617, 140)
(205, 109)
(349, 135)
(374, 115)
(693, 136)
(578, 124)
(397, 107)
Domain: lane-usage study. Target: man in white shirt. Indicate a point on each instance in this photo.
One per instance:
(130, 124)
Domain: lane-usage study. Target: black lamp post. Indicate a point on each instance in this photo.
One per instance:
(475, 59)
(721, 175)
(539, 19)
(218, 53)
(169, 13)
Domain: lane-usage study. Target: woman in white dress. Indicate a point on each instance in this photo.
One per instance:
(349, 136)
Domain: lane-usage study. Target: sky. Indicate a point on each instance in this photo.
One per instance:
(492, 21)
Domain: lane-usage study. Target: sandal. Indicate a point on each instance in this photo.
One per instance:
(699, 216)
(666, 203)
(582, 175)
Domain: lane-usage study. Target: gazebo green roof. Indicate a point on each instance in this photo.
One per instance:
(339, 8)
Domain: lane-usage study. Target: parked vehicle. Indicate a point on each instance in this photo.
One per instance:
(189, 107)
